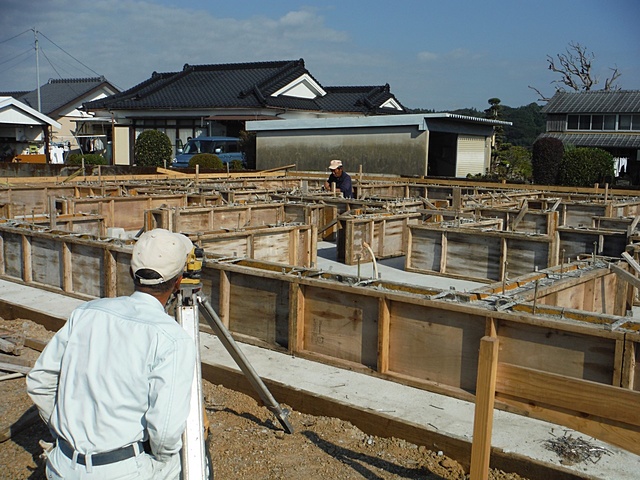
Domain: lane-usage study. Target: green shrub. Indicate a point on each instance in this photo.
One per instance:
(583, 167)
(89, 159)
(152, 149)
(545, 159)
(236, 165)
(206, 160)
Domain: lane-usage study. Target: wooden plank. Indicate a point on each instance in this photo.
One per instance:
(13, 360)
(35, 344)
(10, 347)
(483, 416)
(224, 297)
(518, 219)
(580, 396)
(10, 367)
(383, 335)
(296, 318)
(624, 275)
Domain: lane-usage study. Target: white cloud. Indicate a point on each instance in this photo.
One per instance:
(427, 56)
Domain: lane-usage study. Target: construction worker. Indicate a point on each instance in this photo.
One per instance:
(340, 178)
(114, 384)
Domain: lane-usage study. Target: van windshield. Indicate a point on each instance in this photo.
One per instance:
(199, 146)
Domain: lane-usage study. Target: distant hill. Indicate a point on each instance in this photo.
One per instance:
(528, 122)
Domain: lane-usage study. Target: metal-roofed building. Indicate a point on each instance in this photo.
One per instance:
(437, 144)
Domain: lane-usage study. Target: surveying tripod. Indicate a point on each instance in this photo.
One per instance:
(196, 464)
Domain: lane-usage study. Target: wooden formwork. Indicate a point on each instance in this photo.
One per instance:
(209, 219)
(286, 244)
(580, 241)
(119, 212)
(422, 337)
(482, 255)
(80, 224)
(523, 219)
(381, 235)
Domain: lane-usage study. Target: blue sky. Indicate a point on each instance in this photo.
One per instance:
(439, 54)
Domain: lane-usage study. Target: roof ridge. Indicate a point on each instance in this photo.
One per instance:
(235, 66)
(101, 78)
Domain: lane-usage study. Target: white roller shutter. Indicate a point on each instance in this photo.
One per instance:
(470, 158)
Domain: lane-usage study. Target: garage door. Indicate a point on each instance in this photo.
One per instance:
(470, 158)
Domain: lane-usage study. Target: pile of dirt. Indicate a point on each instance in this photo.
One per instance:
(246, 440)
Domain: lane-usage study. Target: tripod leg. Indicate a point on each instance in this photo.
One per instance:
(232, 347)
(193, 445)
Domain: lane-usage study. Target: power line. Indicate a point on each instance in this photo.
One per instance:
(89, 68)
(16, 36)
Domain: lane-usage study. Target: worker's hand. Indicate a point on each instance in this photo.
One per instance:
(46, 448)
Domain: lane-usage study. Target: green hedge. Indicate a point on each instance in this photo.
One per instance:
(206, 160)
(89, 159)
(584, 167)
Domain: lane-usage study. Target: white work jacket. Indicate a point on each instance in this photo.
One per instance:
(119, 371)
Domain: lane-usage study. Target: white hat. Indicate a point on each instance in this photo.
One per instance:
(335, 164)
(162, 251)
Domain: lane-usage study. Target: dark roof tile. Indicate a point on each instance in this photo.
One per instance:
(596, 101)
(604, 140)
(240, 85)
(58, 93)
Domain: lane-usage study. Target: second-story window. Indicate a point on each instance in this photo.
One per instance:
(603, 122)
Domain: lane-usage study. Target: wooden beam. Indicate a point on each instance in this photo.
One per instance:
(518, 219)
(581, 396)
(624, 275)
(384, 319)
(483, 417)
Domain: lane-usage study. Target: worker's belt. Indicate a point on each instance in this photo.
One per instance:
(104, 458)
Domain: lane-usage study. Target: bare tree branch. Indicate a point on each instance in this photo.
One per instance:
(542, 98)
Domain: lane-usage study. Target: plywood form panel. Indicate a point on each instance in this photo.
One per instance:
(474, 255)
(272, 247)
(259, 308)
(580, 242)
(13, 255)
(341, 325)
(124, 284)
(425, 250)
(434, 344)
(524, 256)
(46, 254)
(580, 214)
(228, 246)
(558, 351)
(87, 269)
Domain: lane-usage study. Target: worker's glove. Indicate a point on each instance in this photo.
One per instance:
(46, 448)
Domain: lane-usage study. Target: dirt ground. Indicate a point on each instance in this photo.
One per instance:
(246, 441)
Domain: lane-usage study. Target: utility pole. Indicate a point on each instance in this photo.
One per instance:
(35, 33)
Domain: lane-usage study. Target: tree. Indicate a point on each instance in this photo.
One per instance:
(152, 149)
(494, 112)
(546, 158)
(574, 67)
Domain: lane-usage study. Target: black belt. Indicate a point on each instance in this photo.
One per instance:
(104, 458)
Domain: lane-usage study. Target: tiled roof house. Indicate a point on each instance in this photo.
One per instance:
(60, 100)
(218, 99)
(604, 119)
